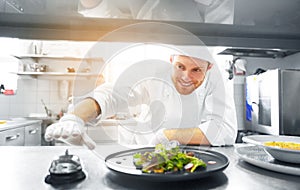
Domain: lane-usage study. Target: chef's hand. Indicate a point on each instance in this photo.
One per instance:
(69, 129)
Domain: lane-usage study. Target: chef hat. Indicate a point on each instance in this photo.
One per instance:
(200, 52)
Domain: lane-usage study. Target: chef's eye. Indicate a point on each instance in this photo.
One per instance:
(198, 70)
(181, 67)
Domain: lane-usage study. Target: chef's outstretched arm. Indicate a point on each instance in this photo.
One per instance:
(191, 136)
(218, 125)
(88, 109)
(70, 128)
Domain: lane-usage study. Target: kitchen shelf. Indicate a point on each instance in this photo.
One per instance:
(40, 56)
(57, 75)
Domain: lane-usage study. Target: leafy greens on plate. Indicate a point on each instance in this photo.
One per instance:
(166, 159)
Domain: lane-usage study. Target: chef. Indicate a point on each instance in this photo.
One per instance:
(186, 100)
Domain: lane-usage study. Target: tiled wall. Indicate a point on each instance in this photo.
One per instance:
(28, 98)
(31, 90)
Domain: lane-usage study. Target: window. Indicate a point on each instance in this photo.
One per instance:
(8, 64)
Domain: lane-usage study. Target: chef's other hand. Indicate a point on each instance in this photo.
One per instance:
(69, 129)
(159, 138)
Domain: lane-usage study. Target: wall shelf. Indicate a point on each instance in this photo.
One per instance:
(57, 75)
(41, 56)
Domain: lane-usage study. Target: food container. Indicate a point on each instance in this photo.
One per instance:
(35, 67)
(8, 92)
(42, 68)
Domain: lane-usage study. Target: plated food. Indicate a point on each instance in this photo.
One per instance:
(177, 164)
(281, 147)
(167, 160)
(2, 121)
(285, 145)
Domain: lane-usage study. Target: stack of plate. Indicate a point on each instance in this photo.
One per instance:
(271, 157)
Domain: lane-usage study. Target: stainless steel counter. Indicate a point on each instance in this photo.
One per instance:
(12, 124)
(26, 167)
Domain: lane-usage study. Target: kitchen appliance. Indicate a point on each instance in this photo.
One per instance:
(272, 102)
(65, 169)
(258, 52)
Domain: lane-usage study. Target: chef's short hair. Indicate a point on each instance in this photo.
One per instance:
(192, 57)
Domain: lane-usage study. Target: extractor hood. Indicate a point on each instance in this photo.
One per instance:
(266, 53)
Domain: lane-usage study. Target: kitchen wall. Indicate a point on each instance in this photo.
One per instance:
(30, 90)
(27, 99)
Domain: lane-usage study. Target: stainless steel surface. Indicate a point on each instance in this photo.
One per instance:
(12, 137)
(289, 101)
(44, 123)
(12, 124)
(33, 135)
(257, 24)
(65, 164)
(255, 52)
(17, 161)
(20, 133)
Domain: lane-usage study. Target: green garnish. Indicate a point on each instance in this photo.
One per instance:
(164, 160)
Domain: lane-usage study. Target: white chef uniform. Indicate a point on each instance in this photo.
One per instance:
(148, 85)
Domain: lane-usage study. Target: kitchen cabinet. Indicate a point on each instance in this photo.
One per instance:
(12, 137)
(20, 133)
(37, 59)
(32, 135)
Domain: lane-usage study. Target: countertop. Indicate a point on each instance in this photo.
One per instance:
(12, 124)
(26, 168)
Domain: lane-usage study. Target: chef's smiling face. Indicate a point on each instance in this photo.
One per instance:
(188, 73)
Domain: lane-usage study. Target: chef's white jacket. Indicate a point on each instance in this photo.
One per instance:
(210, 107)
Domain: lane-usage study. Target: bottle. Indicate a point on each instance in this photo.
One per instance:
(2, 89)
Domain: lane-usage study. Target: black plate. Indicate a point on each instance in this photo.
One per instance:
(122, 163)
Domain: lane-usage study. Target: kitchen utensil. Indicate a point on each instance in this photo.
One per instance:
(2, 88)
(32, 67)
(48, 112)
(65, 169)
(42, 68)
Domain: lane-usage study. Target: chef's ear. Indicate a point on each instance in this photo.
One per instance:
(171, 58)
(210, 65)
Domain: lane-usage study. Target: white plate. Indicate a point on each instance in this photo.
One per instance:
(282, 154)
(257, 156)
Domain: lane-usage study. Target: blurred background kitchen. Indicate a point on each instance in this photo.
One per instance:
(45, 49)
